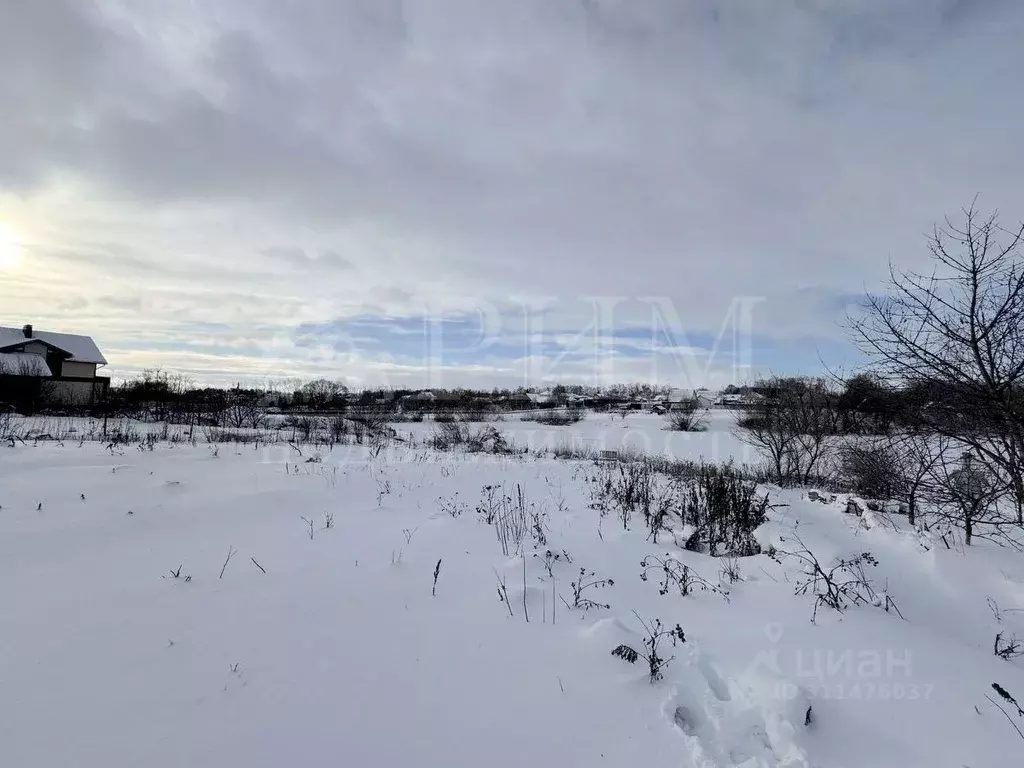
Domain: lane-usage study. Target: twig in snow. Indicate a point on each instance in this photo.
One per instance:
(257, 564)
(1005, 714)
(437, 572)
(503, 593)
(526, 610)
(1005, 695)
(309, 522)
(231, 553)
(553, 602)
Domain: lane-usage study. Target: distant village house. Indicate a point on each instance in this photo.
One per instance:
(42, 368)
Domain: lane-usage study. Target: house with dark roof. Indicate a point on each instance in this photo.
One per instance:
(43, 367)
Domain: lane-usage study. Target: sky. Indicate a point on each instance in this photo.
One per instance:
(489, 192)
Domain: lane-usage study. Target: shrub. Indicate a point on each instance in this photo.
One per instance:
(688, 419)
(337, 427)
(470, 417)
(371, 426)
(447, 435)
(840, 585)
(724, 509)
(588, 580)
(871, 469)
(674, 573)
(486, 440)
(556, 417)
(626, 488)
(654, 635)
(730, 571)
(512, 522)
(302, 427)
(215, 435)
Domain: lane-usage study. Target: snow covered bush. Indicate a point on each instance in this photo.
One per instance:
(687, 419)
(630, 489)
(724, 509)
(487, 439)
(448, 435)
(871, 469)
(557, 417)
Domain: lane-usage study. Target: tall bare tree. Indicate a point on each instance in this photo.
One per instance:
(959, 332)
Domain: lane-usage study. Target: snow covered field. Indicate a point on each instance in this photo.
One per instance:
(639, 432)
(329, 645)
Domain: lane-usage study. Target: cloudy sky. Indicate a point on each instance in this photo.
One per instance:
(488, 192)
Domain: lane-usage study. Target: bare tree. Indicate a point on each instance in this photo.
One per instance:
(915, 457)
(791, 424)
(958, 333)
(968, 493)
(900, 467)
(243, 409)
(321, 394)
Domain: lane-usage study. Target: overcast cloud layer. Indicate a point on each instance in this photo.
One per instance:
(244, 189)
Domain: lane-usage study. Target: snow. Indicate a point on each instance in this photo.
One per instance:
(81, 348)
(23, 364)
(338, 654)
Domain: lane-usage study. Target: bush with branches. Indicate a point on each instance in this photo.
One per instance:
(724, 509)
(871, 469)
(837, 586)
(687, 418)
(587, 580)
(675, 574)
(557, 417)
(654, 636)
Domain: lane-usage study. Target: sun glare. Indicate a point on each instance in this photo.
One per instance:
(10, 246)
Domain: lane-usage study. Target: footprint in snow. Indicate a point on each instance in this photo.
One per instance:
(728, 723)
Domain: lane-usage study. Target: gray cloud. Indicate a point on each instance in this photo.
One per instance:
(297, 257)
(404, 151)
